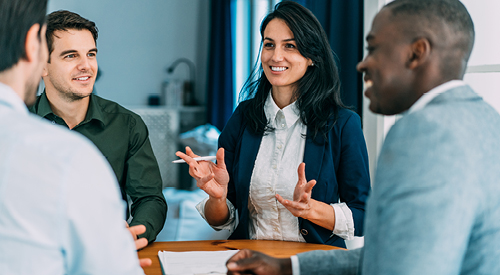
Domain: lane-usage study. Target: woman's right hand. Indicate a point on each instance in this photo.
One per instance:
(210, 177)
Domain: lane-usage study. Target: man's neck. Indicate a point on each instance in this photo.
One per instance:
(73, 112)
(15, 79)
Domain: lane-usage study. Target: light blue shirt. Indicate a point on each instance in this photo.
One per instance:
(48, 176)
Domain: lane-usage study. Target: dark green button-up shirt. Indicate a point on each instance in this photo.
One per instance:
(122, 137)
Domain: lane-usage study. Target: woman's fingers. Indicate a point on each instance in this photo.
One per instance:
(302, 172)
(309, 186)
(190, 152)
(220, 158)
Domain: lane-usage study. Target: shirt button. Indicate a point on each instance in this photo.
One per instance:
(280, 146)
(304, 232)
(274, 167)
(53, 122)
(276, 229)
(283, 125)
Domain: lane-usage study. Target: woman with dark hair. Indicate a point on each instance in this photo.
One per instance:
(292, 115)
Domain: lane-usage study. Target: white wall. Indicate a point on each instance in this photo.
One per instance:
(139, 39)
(373, 125)
(485, 13)
(483, 71)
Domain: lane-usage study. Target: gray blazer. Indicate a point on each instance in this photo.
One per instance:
(435, 203)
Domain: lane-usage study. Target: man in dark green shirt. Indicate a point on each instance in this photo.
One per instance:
(120, 134)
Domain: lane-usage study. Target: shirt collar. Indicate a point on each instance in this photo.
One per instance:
(44, 109)
(430, 95)
(11, 99)
(291, 112)
(94, 111)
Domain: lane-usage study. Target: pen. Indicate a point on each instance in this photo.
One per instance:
(197, 159)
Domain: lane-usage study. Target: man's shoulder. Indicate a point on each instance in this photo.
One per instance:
(454, 110)
(36, 134)
(114, 109)
(451, 131)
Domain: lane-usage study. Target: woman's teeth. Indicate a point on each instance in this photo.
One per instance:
(278, 69)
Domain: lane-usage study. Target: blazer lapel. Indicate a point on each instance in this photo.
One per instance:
(313, 156)
(248, 153)
(247, 158)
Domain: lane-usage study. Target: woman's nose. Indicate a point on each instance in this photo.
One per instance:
(277, 55)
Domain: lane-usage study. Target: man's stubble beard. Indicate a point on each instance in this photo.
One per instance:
(71, 96)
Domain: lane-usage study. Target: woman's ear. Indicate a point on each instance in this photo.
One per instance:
(310, 63)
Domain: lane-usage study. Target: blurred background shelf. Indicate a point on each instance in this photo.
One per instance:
(164, 125)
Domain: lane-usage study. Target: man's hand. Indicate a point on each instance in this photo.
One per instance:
(253, 262)
(300, 206)
(139, 243)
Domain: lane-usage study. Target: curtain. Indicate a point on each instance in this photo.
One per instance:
(220, 65)
(342, 21)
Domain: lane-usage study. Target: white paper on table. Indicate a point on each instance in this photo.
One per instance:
(195, 262)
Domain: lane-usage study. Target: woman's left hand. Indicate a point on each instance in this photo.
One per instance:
(304, 207)
(300, 206)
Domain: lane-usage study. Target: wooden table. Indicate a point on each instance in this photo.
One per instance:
(274, 248)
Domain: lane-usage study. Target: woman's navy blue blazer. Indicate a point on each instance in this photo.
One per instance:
(339, 165)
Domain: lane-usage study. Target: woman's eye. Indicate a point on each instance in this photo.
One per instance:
(291, 46)
(268, 45)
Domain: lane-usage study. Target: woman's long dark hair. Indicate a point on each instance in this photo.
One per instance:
(318, 91)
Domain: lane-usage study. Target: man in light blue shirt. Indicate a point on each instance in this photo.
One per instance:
(435, 203)
(47, 225)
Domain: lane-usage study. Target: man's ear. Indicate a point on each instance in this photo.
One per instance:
(420, 53)
(45, 71)
(33, 43)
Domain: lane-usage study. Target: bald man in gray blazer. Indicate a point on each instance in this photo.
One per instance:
(435, 203)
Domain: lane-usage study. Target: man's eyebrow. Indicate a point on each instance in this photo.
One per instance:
(67, 52)
(74, 51)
